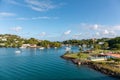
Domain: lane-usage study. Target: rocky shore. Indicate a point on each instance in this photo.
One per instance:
(75, 61)
(104, 70)
(94, 66)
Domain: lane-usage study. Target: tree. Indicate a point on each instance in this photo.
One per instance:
(117, 60)
(79, 55)
(114, 43)
(32, 41)
(116, 46)
(56, 44)
(97, 46)
(105, 45)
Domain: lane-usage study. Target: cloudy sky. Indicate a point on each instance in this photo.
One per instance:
(60, 19)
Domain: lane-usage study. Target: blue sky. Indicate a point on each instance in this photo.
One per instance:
(58, 20)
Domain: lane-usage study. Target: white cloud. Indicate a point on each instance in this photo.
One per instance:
(79, 34)
(40, 5)
(116, 27)
(17, 29)
(112, 32)
(76, 36)
(109, 33)
(13, 2)
(37, 18)
(97, 34)
(16, 2)
(90, 26)
(6, 14)
(95, 27)
(67, 32)
(36, 5)
(36, 8)
(98, 30)
(43, 17)
(22, 18)
(105, 32)
(43, 34)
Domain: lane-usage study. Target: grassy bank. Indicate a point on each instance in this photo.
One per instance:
(106, 67)
(110, 66)
(78, 55)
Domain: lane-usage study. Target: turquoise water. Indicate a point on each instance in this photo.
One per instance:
(35, 64)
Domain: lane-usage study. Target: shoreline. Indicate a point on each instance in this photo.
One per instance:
(103, 70)
(94, 66)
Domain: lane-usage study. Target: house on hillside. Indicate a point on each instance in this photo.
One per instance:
(33, 46)
(113, 55)
(2, 44)
(25, 45)
(97, 58)
(4, 39)
(100, 57)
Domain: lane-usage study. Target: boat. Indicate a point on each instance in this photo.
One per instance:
(80, 46)
(68, 49)
(17, 51)
(41, 48)
(55, 47)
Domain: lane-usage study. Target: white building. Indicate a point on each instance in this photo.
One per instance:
(4, 39)
(25, 45)
(2, 44)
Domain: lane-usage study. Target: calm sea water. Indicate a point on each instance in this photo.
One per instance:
(36, 64)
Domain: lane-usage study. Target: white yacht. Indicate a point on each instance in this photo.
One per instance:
(67, 49)
(41, 48)
(17, 51)
(55, 47)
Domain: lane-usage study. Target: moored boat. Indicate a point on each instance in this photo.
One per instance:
(41, 48)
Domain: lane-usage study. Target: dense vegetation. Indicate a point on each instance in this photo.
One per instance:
(114, 43)
(8, 40)
(104, 43)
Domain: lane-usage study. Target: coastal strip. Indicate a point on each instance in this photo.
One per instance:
(102, 67)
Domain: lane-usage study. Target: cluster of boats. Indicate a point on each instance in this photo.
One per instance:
(67, 48)
(42, 48)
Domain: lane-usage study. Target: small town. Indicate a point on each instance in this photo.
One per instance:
(9, 40)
